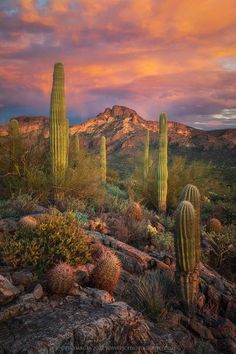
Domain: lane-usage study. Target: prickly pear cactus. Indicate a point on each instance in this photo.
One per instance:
(186, 251)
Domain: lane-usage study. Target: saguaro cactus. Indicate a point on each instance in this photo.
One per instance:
(103, 159)
(59, 131)
(186, 251)
(146, 157)
(75, 151)
(15, 145)
(162, 169)
(192, 194)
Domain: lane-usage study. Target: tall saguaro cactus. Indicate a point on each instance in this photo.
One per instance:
(59, 131)
(186, 251)
(162, 168)
(146, 157)
(192, 194)
(103, 159)
(15, 145)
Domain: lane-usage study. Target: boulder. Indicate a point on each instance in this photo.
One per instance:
(22, 277)
(7, 290)
(78, 326)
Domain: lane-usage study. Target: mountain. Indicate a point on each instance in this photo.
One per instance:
(125, 130)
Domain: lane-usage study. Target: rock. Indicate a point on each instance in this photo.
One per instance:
(78, 327)
(10, 311)
(22, 278)
(7, 290)
(38, 292)
(28, 221)
(8, 225)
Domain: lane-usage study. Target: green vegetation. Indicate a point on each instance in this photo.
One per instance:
(103, 159)
(146, 159)
(153, 294)
(162, 169)
(186, 252)
(15, 146)
(57, 238)
(59, 132)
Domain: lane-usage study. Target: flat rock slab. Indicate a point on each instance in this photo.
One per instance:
(77, 327)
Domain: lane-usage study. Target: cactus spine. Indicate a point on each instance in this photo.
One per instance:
(191, 194)
(15, 145)
(59, 131)
(146, 157)
(106, 274)
(186, 251)
(60, 278)
(162, 170)
(103, 161)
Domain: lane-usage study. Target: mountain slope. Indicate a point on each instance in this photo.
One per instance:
(125, 130)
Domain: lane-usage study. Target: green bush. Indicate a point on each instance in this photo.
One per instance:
(165, 242)
(58, 237)
(115, 191)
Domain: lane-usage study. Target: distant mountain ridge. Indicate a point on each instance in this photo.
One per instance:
(125, 130)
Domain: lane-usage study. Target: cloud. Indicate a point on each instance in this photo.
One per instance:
(176, 56)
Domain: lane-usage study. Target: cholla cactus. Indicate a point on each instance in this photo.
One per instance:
(186, 251)
(162, 169)
(106, 274)
(15, 145)
(59, 131)
(214, 225)
(192, 194)
(103, 159)
(60, 279)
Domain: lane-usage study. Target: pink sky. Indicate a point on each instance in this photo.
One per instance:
(177, 56)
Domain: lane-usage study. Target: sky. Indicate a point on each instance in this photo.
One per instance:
(177, 56)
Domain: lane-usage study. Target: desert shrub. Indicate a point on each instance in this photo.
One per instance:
(18, 205)
(137, 232)
(153, 293)
(164, 241)
(113, 204)
(181, 172)
(82, 218)
(118, 228)
(58, 237)
(71, 204)
(134, 211)
(224, 211)
(115, 191)
(167, 221)
(223, 257)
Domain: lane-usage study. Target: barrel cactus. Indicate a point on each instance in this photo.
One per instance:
(162, 169)
(186, 251)
(192, 194)
(146, 157)
(59, 131)
(103, 159)
(60, 279)
(106, 274)
(15, 145)
(214, 225)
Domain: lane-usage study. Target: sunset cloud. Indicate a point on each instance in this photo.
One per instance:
(150, 55)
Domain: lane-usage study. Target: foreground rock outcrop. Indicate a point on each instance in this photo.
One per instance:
(80, 323)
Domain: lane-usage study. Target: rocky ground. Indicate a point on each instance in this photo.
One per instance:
(90, 320)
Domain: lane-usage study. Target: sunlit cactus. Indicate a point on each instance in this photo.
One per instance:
(146, 157)
(75, 150)
(60, 279)
(59, 131)
(186, 251)
(103, 159)
(192, 194)
(162, 169)
(15, 141)
(214, 225)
